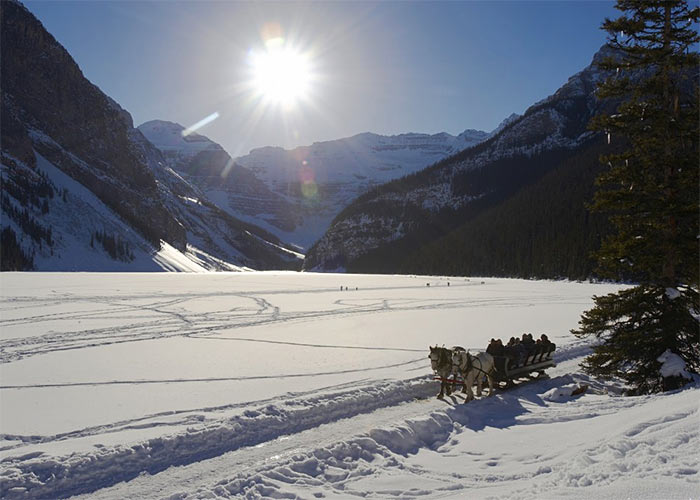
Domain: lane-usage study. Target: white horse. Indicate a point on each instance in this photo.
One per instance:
(474, 367)
(441, 363)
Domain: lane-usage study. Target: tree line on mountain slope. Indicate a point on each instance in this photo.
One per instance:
(543, 231)
(12, 255)
(31, 192)
(113, 244)
(495, 181)
(422, 248)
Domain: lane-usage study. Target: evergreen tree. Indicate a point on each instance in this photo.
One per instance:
(650, 192)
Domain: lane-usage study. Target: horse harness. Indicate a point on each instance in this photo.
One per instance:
(470, 364)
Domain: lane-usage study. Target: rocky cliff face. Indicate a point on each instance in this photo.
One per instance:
(233, 188)
(208, 227)
(83, 188)
(59, 113)
(395, 219)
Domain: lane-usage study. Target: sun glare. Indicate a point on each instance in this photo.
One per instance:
(281, 74)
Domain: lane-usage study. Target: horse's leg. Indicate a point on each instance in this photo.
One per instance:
(479, 384)
(468, 381)
(490, 379)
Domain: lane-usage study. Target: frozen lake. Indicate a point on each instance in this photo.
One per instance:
(92, 349)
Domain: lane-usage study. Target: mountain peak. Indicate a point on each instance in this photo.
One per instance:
(604, 52)
(162, 123)
(167, 136)
(507, 121)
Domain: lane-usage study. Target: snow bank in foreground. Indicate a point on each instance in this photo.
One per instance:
(513, 446)
(49, 477)
(672, 365)
(564, 393)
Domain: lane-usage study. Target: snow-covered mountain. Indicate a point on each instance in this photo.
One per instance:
(235, 189)
(295, 194)
(321, 179)
(386, 224)
(367, 157)
(84, 190)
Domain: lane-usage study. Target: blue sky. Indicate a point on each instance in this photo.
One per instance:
(384, 67)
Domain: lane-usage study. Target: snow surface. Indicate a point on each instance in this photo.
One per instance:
(672, 365)
(78, 213)
(281, 385)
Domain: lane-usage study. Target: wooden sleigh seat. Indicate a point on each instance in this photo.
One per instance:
(508, 369)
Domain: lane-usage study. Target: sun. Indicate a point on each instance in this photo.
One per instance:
(282, 75)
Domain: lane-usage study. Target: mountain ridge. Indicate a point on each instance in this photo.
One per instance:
(389, 222)
(299, 191)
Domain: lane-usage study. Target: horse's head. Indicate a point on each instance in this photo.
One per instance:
(461, 359)
(434, 356)
(457, 357)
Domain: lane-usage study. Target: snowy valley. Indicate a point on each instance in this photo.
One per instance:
(295, 194)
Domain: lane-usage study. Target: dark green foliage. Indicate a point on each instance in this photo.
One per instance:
(26, 193)
(24, 219)
(638, 325)
(26, 186)
(542, 231)
(530, 223)
(116, 247)
(12, 257)
(650, 192)
(650, 189)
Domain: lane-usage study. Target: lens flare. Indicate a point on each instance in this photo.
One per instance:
(309, 190)
(204, 121)
(227, 168)
(307, 178)
(271, 31)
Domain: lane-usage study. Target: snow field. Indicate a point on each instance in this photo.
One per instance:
(516, 445)
(282, 385)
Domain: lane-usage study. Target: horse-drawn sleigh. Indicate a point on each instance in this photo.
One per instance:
(456, 366)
